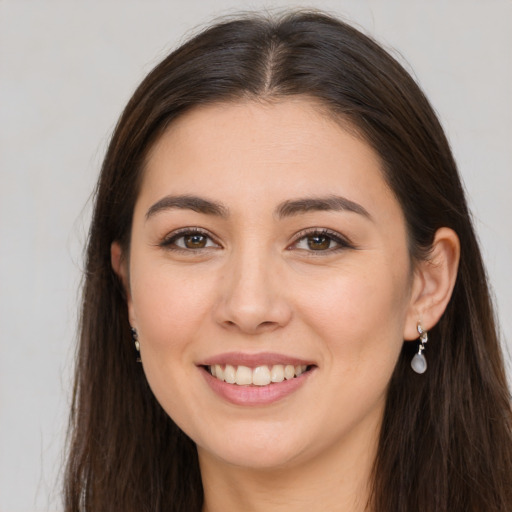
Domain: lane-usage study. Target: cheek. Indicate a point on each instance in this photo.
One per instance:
(360, 313)
(168, 305)
(359, 319)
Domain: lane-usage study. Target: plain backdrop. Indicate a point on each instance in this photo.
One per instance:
(66, 70)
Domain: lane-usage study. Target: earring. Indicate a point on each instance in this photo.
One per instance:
(135, 338)
(419, 363)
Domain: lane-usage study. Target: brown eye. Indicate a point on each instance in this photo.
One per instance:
(319, 242)
(189, 239)
(196, 241)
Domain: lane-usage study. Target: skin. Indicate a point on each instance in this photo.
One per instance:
(263, 283)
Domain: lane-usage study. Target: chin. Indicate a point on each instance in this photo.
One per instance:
(254, 451)
(257, 459)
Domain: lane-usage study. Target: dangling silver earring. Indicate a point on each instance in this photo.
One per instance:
(135, 338)
(419, 363)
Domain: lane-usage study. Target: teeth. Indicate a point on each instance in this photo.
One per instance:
(277, 373)
(289, 372)
(243, 376)
(219, 372)
(259, 376)
(230, 374)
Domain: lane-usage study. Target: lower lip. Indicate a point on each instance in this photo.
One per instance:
(255, 395)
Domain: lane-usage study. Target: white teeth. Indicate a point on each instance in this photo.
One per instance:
(277, 373)
(219, 372)
(289, 372)
(243, 376)
(299, 370)
(259, 376)
(230, 374)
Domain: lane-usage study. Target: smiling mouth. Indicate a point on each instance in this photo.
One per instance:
(259, 376)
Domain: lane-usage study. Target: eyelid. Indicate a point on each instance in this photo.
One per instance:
(168, 241)
(342, 241)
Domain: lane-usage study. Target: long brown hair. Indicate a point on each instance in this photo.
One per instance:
(446, 438)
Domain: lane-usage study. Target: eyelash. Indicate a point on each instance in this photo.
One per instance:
(170, 241)
(342, 243)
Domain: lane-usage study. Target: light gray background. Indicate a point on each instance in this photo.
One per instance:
(67, 69)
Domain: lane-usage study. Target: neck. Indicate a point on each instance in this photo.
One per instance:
(338, 479)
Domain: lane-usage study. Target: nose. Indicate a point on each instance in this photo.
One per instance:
(252, 297)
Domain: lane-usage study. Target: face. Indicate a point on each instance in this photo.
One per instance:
(268, 250)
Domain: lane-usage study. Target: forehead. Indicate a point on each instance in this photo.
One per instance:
(253, 151)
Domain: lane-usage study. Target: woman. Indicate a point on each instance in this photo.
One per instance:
(285, 305)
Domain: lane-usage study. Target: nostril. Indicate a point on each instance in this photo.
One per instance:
(260, 327)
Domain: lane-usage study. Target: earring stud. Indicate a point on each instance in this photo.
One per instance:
(419, 363)
(135, 338)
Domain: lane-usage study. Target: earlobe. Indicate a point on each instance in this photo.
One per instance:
(434, 280)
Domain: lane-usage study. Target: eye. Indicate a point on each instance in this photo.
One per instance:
(323, 240)
(189, 240)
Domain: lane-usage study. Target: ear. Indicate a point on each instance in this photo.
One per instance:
(120, 266)
(433, 282)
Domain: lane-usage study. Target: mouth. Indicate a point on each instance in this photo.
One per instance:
(264, 375)
(256, 379)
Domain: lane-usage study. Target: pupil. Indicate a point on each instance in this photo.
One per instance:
(195, 241)
(319, 242)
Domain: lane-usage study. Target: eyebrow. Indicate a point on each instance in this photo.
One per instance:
(329, 203)
(187, 202)
(288, 208)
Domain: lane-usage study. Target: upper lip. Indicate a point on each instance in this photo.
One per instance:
(254, 360)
